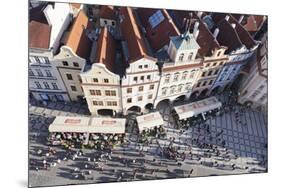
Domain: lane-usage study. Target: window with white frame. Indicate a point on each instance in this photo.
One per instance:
(38, 85)
(55, 86)
(184, 75)
(181, 56)
(164, 91)
(46, 85)
(172, 89)
(192, 74)
(176, 77)
(167, 78)
(48, 73)
(180, 87)
(156, 18)
(39, 72)
(190, 56)
(30, 72)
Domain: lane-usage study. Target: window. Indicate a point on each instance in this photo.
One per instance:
(105, 22)
(204, 83)
(167, 78)
(75, 64)
(95, 92)
(129, 100)
(141, 88)
(198, 85)
(48, 73)
(180, 88)
(113, 23)
(129, 90)
(140, 98)
(164, 91)
(149, 96)
(187, 86)
(140, 66)
(207, 65)
(184, 75)
(172, 90)
(135, 79)
(216, 72)
(105, 80)
(176, 77)
(111, 103)
(211, 81)
(210, 73)
(55, 86)
(151, 87)
(190, 56)
(263, 97)
(146, 66)
(219, 53)
(38, 85)
(30, 72)
(192, 74)
(110, 93)
(181, 57)
(46, 60)
(46, 85)
(69, 76)
(203, 74)
(79, 78)
(214, 64)
(97, 103)
(148, 77)
(261, 87)
(39, 73)
(73, 88)
(221, 63)
(142, 78)
(65, 63)
(37, 59)
(95, 80)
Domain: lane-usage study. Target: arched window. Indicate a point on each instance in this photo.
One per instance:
(181, 57)
(190, 56)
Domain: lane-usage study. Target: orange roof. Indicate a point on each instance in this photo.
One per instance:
(78, 40)
(254, 23)
(132, 35)
(76, 5)
(107, 12)
(106, 49)
(39, 35)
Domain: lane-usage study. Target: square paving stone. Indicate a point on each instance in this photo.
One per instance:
(235, 133)
(252, 137)
(242, 147)
(257, 139)
(243, 153)
(253, 144)
(230, 139)
(247, 142)
(248, 148)
(236, 140)
(246, 136)
(229, 132)
(254, 150)
(241, 141)
(237, 146)
(249, 154)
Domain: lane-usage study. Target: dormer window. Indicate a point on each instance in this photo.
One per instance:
(219, 53)
(181, 57)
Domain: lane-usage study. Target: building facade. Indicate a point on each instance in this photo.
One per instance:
(46, 27)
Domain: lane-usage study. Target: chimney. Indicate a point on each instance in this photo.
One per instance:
(195, 27)
(233, 25)
(216, 32)
(241, 19)
(226, 17)
(199, 14)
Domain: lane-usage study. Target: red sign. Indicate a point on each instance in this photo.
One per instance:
(72, 121)
(108, 122)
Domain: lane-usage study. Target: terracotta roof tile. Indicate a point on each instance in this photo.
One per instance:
(131, 34)
(159, 36)
(107, 12)
(254, 23)
(78, 40)
(39, 35)
(106, 50)
(76, 5)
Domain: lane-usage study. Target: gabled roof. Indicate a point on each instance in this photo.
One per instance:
(228, 36)
(106, 50)
(76, 5)
(39, 35)
(131, 34)
(184, 42)
(158, 36)
(107, 12)
(77, 39)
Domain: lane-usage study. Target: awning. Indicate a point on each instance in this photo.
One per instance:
(149, 121)
(195, 108)
(107, 125)
(70, 124)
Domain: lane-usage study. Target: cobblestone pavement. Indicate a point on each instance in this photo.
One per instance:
(245, 147)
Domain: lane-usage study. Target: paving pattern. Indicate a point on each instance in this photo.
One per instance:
(245, 146)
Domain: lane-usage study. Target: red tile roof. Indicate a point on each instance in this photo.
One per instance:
(254, 23)
(77, 39)
(106, 49)
(107, 12)
(158, 36)
(39, 35)
(76, 5)
(131, 34)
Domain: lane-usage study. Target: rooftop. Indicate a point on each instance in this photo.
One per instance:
(131, 35)
(254, 23)
(106, 49)
(185, 41)
(39, 35)
(77, 39)
(158, 25)
(107, 12)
